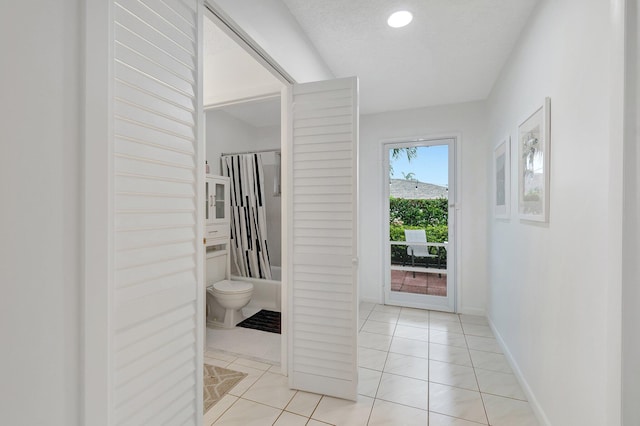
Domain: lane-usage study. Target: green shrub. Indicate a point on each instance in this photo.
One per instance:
(430, 215)
(420, 213)
(435, 234)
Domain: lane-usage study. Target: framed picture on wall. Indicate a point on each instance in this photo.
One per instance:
(533, 165)
(502, 179)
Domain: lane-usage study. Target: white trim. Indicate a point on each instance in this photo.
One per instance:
(286, 185)
(237, 34)
(453, 286)
(256, 98)
(201, 292)
(533, 401)
(615, 218)
(472, 311)
(631, 224)
(98, 220)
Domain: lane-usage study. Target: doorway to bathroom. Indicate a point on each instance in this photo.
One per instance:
(319, 146)
(420, 223)
(242, 104)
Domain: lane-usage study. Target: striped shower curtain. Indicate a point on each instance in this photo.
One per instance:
(250, 254)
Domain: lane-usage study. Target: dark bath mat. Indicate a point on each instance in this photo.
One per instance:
(264, 320)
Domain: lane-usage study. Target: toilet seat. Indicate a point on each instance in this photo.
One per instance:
(232, 287)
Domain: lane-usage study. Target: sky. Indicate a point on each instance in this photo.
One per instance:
(430, 166)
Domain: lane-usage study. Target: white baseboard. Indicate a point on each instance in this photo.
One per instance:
(368, 300)
(473, 311)
(533, 401)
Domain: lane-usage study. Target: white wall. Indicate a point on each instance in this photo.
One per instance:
(631, 243)
(230, 72)
(225, 133)
(40, 187)
(551, 286)
(271, 25)
(467, 120)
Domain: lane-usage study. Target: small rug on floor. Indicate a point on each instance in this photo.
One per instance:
(217, 382)
(264, 320)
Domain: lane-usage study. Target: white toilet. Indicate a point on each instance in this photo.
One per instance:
(231, 296)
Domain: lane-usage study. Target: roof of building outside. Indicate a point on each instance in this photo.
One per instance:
(416, 190)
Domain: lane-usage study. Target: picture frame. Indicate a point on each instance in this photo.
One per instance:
(533, 165)
(502, 179)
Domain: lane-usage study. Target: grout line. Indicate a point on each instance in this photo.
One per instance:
(401, 404)
(459, 418)
(278, 418)
(225, 411)
(429, 332)
(475, 374)
(375, 397)
(428, 364)
(315, 408)
(506, 397)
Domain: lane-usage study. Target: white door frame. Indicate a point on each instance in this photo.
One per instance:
(98, 223)
(237, 34)
(448, 303)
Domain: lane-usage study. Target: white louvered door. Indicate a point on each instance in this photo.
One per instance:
(155, 311)
(322, 229)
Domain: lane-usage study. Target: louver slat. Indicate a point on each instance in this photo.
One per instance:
(323, 226)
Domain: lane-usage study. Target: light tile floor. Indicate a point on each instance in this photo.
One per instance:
(415, 368)
(253, 344)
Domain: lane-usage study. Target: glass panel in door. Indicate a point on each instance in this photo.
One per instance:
(220, 201)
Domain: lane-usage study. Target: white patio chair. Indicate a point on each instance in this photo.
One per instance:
(422, 250)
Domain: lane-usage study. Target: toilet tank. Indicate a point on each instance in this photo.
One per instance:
(216, 268)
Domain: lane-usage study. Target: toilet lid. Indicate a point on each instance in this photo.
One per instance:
(227, 286)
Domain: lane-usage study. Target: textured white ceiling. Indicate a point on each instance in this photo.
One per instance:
(452, 52)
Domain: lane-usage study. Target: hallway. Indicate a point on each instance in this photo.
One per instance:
(416, 368)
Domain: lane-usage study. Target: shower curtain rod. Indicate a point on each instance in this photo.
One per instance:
(260, 151)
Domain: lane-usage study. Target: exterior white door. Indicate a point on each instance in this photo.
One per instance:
(426, 282)
(144, 309)
(322, 253)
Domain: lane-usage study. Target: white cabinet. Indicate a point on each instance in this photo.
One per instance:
(217, 220)
(216, 235)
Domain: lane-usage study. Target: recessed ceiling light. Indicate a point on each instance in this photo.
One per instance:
(399, 19)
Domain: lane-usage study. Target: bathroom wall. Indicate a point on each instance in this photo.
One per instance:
(226, 133)
(273, 203)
